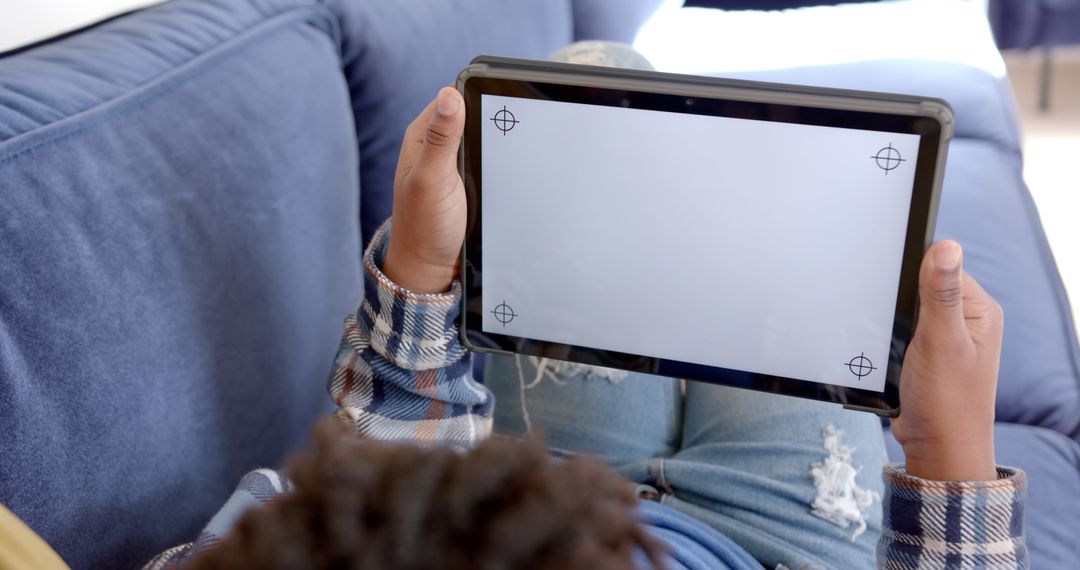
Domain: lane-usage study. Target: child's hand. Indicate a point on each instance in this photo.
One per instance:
(429, 200)
(949, 378)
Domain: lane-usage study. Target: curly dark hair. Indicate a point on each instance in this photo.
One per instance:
(366, 505)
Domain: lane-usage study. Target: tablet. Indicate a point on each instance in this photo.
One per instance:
(741, 233)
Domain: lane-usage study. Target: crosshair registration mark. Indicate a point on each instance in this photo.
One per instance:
(888, 158)
(503, 313)
(860, 365)
(504, 120)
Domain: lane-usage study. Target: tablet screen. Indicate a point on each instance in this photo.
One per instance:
(761, 246)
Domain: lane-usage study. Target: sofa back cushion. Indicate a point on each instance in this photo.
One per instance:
(398, 54)
(178, 249)
(612, 20)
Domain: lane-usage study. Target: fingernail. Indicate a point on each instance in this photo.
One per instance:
(947, 256)
(447, 103)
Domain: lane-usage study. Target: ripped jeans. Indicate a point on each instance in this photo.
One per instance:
(792, 481)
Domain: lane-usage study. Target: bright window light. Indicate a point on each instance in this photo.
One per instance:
(709, 41)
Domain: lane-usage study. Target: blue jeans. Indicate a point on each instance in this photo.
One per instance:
(737, 460)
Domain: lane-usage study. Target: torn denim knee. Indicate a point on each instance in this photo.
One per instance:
(840, 500)
(557, 371)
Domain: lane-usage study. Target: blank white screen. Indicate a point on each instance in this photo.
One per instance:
(759, 246)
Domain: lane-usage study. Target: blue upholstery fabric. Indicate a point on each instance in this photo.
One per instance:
(611, 20)
(178, 249)
(1026, 24)
(983, 104)
(986, 207)
(398, 54)
(1052, 513)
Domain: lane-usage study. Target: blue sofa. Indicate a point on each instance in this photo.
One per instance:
(186, 191)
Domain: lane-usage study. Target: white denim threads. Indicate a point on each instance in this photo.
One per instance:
(557, 371)
(840, 500)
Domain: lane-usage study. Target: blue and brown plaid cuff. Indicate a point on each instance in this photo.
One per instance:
(953, 524)
(415, 331)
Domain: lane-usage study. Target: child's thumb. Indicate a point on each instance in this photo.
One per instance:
(941, 291)
(439, 153)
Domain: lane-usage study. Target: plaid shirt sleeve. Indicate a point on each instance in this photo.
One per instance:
(401, 371)
(953, 524)
(256, 488)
